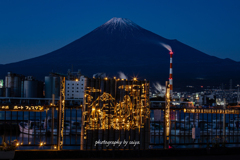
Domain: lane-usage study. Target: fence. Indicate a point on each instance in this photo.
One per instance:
(37, 130)
(210, 129)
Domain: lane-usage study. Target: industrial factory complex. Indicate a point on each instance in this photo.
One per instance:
(20, 87)
(16, 86)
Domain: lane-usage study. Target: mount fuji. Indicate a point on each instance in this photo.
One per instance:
(121, 45)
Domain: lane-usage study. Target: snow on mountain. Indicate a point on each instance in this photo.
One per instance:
(122, 22)
(121, 45)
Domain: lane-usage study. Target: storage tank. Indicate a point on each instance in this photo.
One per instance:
(7, 92)
(56, 87)
(30, 89)
(22, 88)
(13, 81)
(16, 86)
(48, 86)
(8, 80)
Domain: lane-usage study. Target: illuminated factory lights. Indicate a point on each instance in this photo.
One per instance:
(212, 111)
(119, 106)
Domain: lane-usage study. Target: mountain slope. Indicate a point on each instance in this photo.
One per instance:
(121, 45)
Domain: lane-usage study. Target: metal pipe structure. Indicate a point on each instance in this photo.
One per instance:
(170, 74)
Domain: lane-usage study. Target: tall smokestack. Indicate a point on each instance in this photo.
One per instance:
(170, 75)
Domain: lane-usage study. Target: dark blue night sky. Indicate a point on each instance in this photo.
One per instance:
(33, 28)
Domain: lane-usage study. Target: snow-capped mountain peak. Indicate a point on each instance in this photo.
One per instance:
(121, 23)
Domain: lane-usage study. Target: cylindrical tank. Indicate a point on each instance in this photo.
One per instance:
(1, 92)
(16, 86)
(48, 86)
(7, 92)
(30, 89)
(56, 87)
(22, 88)
(8, 81)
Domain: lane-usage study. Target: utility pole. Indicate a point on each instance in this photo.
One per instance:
(61, 110)
(167, 116)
